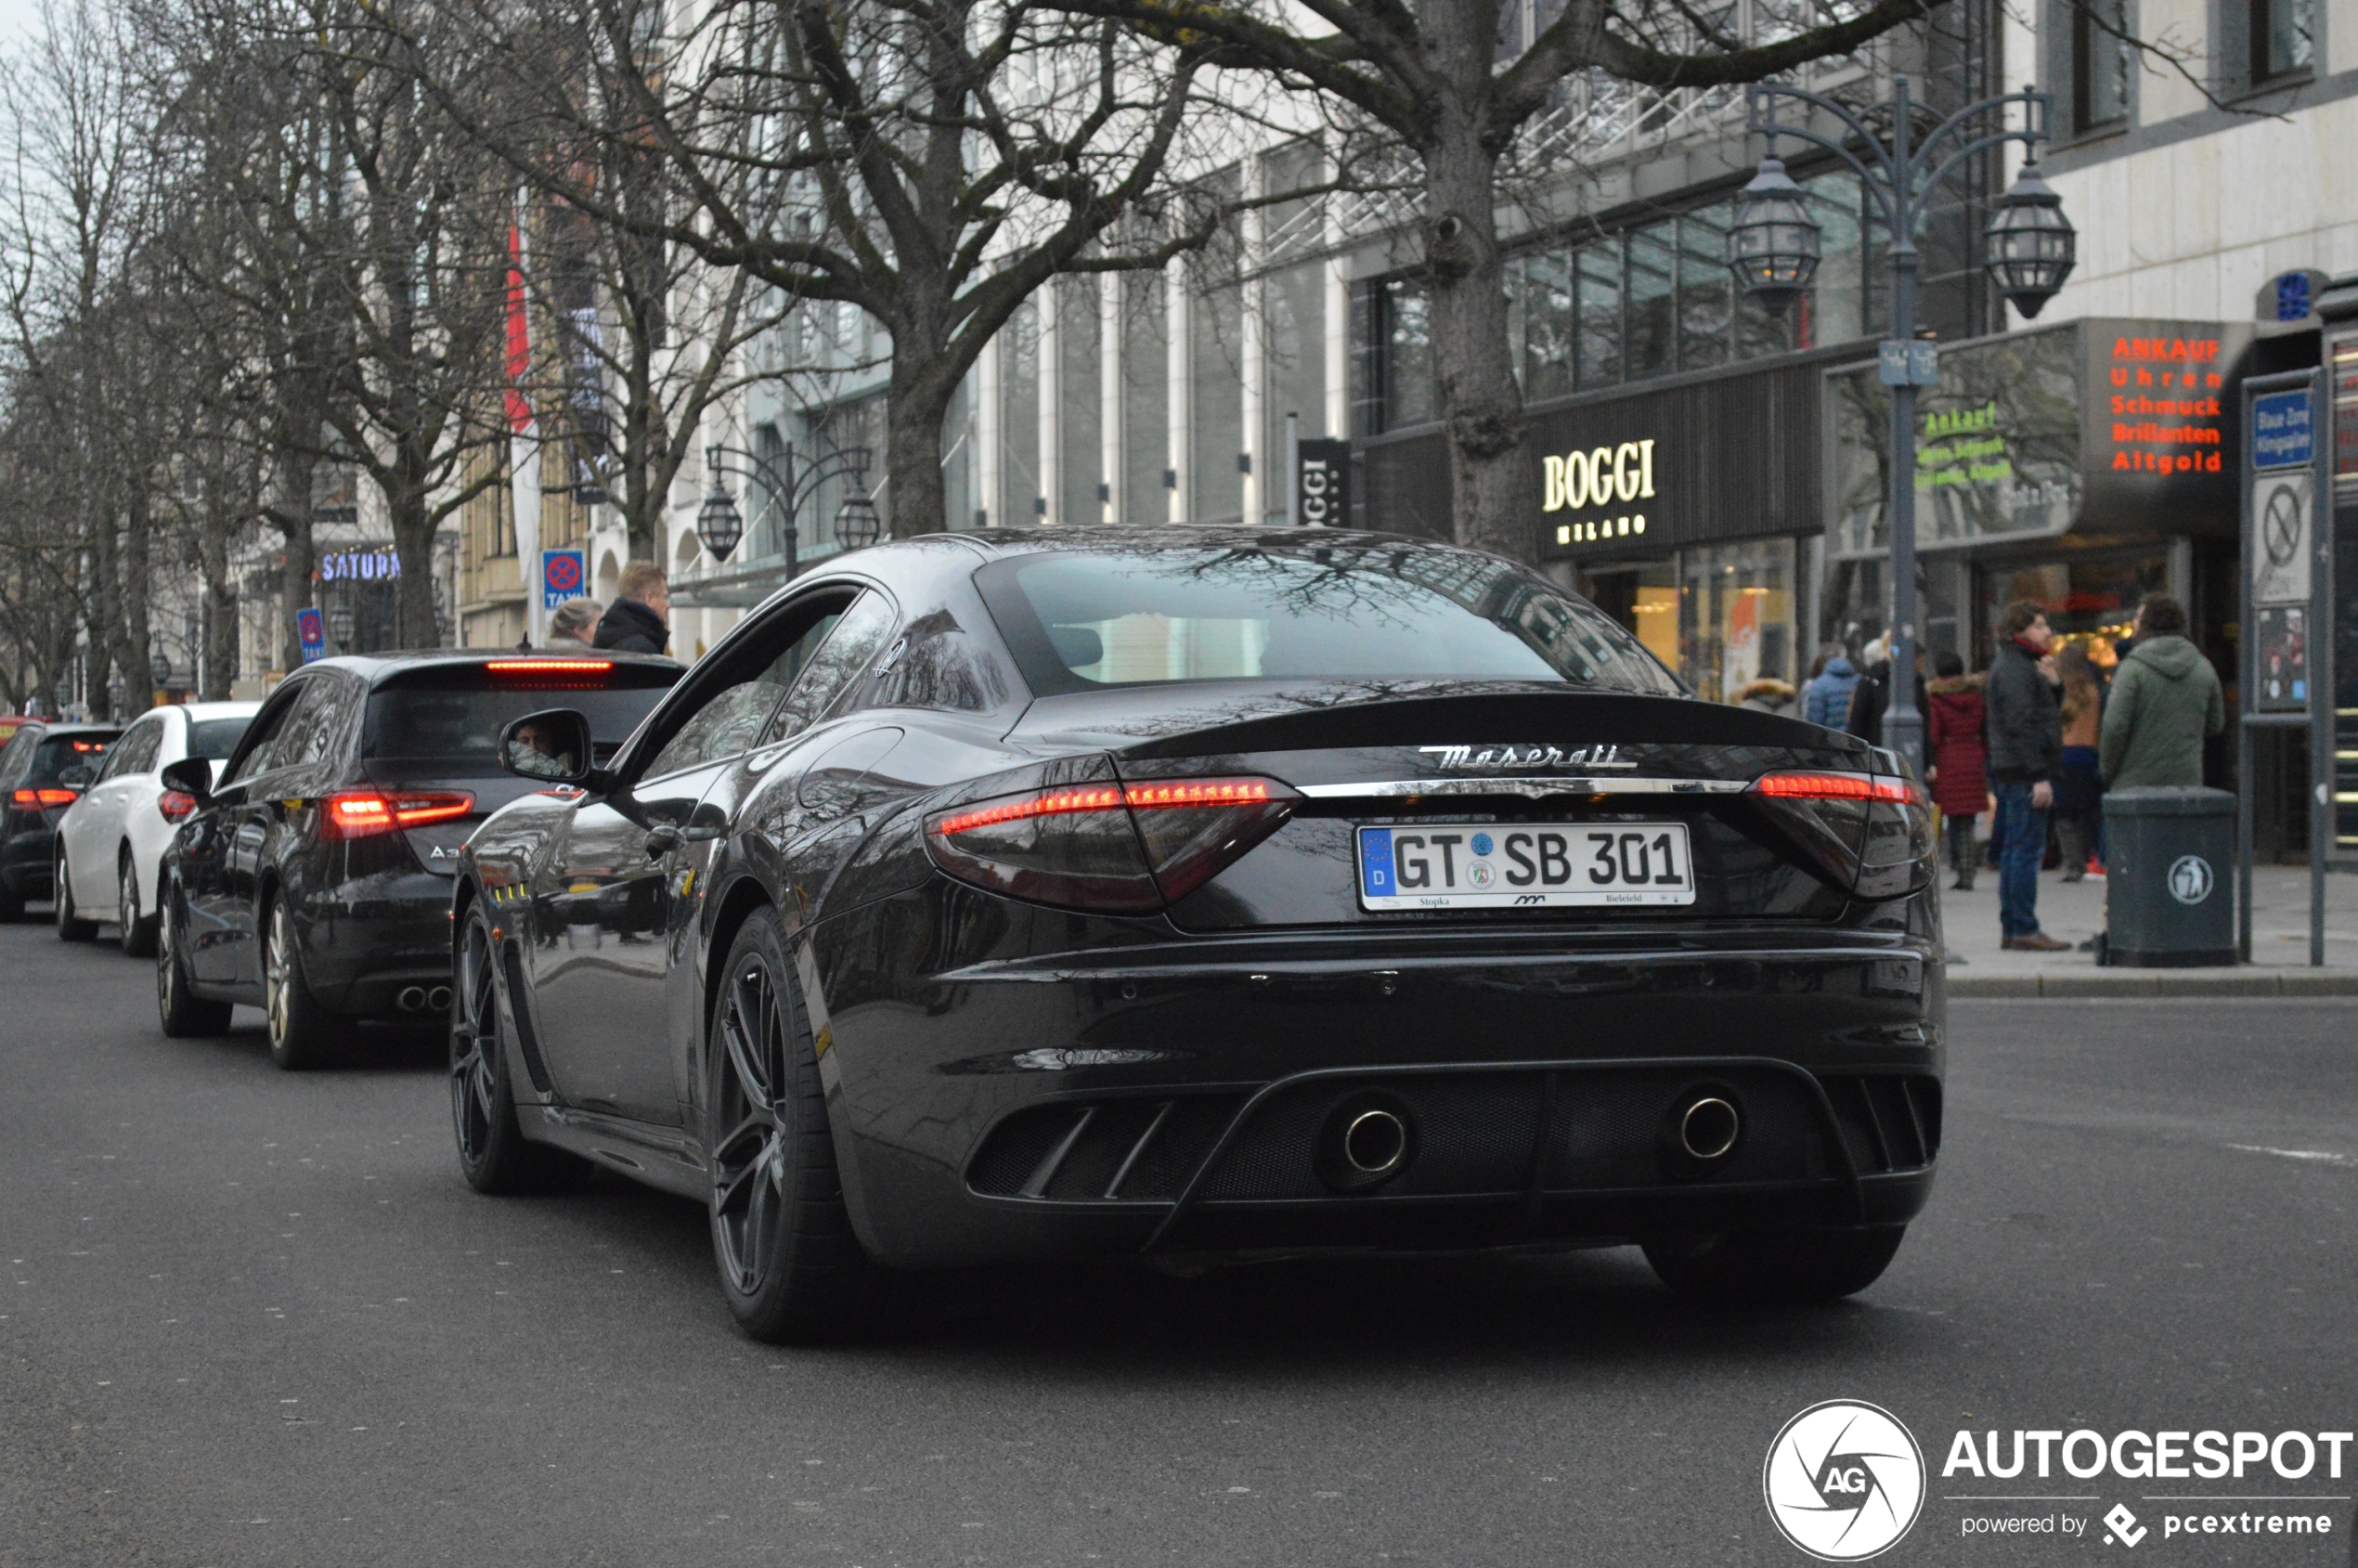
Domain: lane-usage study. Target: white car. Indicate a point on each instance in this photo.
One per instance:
(112, 837)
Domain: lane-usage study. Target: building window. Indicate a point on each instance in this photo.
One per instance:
(1408, 391)
(2284, 38)
(2100, 56)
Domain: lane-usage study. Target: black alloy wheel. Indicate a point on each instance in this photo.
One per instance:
(1797, 1267)
(71, 928)
(138, 930)
(184, 1015)
(295, 1022)
(494, 1155)
(790, 1265)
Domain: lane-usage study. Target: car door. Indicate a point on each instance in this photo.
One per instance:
(94, 828)
(604, 897)
(250, 823)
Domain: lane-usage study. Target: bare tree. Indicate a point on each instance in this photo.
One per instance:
(930, 161)
(1433, 75)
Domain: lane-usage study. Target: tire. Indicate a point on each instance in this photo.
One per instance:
(494, 1155)
(138, 930)
(1774, 1267)
(71, 928)
(296, 1024)
(184, 1015)
(790, 1265)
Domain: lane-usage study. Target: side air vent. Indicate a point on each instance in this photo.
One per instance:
(1129, 1150)
(1889, 1122)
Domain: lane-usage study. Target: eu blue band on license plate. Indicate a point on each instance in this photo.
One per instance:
(1525, 865)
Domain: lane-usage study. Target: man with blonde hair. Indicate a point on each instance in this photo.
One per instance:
(637, 622)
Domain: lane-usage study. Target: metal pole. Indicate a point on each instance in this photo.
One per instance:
(794, 506)
(2244, 830)
(2322, 675)
(1903, 724)
(1293, 469)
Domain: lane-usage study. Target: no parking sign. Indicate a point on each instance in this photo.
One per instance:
(563, 574)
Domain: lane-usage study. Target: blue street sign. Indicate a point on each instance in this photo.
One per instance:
(2284, 432)
(311, 631)
(564, 574)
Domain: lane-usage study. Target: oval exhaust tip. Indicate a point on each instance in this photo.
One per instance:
(411, 998)
(1375, 1143)
(1709, 1127)
(439, 999)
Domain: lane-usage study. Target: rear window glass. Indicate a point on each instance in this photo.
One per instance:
(214, 739)
(1280, 611)
(71, 761)
(423, 721)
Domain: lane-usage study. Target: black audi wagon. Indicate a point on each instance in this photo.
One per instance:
(43, 769)
(1207, 893)
(314, 879)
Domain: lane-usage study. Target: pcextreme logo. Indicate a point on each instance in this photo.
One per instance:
(1843, 1481)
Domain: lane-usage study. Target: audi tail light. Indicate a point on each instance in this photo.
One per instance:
(175, 805)
(366, 812)
(1113, 847)
(35, 800)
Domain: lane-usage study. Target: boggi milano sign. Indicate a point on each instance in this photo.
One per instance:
(1599, 479)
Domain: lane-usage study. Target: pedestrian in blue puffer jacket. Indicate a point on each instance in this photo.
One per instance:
(1826, 700)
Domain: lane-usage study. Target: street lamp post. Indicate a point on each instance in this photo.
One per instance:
(1773, 251)
(789, 484)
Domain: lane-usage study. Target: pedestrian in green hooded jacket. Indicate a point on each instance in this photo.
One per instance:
(2165, 702)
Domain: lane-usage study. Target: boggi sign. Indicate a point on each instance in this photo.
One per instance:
(1602, 476)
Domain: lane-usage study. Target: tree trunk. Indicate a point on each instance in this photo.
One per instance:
(915, 497)
(293, 516)
(219, 668)
(413, 545)
(136, 640)
(1493, 483)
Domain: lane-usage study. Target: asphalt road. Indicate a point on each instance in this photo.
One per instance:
(255, 1318)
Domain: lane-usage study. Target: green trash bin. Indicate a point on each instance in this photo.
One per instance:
(2170, 854)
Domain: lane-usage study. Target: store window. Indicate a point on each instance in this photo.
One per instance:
(1736, 618)
(1405, 315)
(2284, 39)
(1295, 300)
(1080, 404)
(2090, 601)
(1146, 399)
(2100, 57)
(1018, 419)
(1643, 597)
(1216, 430)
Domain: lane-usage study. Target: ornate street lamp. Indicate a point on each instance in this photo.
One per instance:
(160, 667)
(787, 484)
(857, 525)
(718, 523)
(2032, 245)
(340, 627)
(1772, 249)
(1773, 244)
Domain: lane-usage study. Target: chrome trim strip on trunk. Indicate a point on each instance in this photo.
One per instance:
(1530, 789)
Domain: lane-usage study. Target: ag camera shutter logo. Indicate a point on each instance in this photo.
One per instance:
(1843, 1481)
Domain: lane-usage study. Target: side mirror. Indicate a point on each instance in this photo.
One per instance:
(190, 775)
(551, 746)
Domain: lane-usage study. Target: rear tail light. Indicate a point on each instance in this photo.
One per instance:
(558, 674)
(363, 813)
(176, 804)
(38, 797)
(1838, 786)
(1125, 849)
(1871, 831)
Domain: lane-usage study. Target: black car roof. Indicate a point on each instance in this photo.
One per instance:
(374, 668)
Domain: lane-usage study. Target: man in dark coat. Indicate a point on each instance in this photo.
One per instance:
(2026, 753)
(1872, 698)
(637, 622)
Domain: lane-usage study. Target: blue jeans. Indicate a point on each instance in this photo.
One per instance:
(2023, 834)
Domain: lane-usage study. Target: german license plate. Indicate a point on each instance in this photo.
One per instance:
(1525, 865)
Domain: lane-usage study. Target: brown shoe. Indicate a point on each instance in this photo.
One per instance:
(2038, 941)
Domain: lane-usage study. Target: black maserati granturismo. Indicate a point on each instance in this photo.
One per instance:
(1211, 893)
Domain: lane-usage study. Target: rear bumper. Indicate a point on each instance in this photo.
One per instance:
(28, 856)
(1188, 1098)
(375, 937)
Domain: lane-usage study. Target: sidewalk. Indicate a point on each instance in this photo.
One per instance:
(2074, 911)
